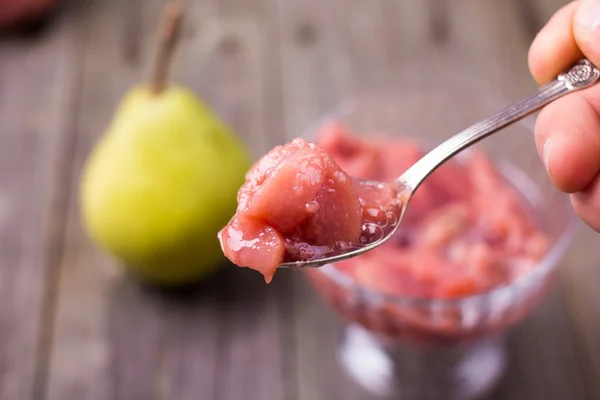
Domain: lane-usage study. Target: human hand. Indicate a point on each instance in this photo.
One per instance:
(567, 132)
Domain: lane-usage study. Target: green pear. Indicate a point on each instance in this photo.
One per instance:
(161, 183)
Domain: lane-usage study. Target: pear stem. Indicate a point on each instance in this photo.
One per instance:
(167, 41)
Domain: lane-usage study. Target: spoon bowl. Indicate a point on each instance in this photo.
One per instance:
(581, 75)
(381, 233)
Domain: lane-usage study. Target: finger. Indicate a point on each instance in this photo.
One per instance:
(586, 29)
(567, 136)
(554, 48)
(587, 203)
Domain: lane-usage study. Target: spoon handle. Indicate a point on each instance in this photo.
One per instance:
(580, 76)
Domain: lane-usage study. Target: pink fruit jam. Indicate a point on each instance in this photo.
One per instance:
(298, 204)
(465, 231)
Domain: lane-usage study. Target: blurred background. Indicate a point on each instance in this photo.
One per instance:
(74, 326)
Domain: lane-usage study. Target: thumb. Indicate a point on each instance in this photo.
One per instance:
(586, 29)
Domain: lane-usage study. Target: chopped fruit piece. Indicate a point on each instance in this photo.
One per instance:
(298, 199)
(253, 244)
(444, 225)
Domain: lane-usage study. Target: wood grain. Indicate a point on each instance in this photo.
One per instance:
(475, 42)
(36, 92)
(580, 275)
(543, 363)
(83, 363)
(318, 66)
(582, 303)
(253, 348)
(73, 326)
(140, 344)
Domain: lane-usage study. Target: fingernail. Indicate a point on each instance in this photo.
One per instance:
(588, 15)
(546, 153)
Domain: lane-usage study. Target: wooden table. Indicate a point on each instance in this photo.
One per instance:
(71, 328)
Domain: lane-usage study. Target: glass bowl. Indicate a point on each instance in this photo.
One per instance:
(434, 348)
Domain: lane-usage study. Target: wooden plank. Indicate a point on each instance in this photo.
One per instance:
(493, 44)
(323, 63)
(547, 335)
(581, 298)
(580, 273)
(36, 89)
(582, 302)
(573, 323)
(114, 339)
(305, 33)
(240, 78)
(85, 363)
(542, 362)
(540, 11)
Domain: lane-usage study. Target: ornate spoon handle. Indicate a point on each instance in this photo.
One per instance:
(580, 76)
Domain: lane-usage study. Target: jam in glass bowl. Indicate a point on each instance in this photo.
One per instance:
(426, 312)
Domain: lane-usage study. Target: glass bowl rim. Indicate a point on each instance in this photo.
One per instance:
(544, 267)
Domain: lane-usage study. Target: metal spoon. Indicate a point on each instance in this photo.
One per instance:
(580, 76)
